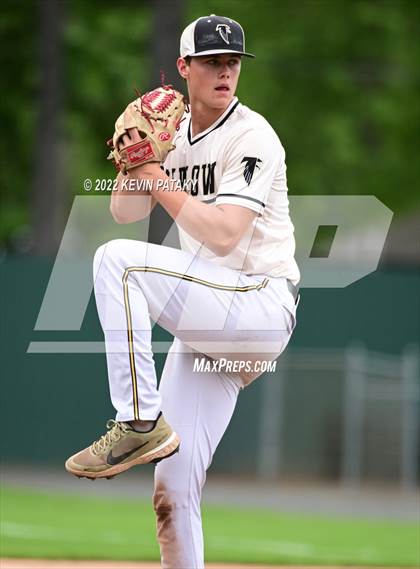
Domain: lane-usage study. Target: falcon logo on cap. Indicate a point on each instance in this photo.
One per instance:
(213, 35)
(224, 30)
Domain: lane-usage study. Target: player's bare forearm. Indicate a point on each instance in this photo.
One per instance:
(219, 228)
(129, 202)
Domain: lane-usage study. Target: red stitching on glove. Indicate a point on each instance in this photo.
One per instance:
(149, 99)
(166, 102)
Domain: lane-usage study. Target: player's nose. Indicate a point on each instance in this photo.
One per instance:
(224, 71)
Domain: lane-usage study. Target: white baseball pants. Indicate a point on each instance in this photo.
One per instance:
(213, 312)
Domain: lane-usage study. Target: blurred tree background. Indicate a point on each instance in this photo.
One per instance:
(339, 82)
(337, 79)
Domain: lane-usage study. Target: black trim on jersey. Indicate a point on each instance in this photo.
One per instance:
(211, 200)
(217, 126)
(239, 196)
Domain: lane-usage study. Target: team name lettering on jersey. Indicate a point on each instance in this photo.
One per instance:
(197, 179)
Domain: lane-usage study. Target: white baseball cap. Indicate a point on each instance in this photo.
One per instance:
(213, 35)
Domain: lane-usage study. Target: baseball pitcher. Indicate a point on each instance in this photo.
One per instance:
(230, 294)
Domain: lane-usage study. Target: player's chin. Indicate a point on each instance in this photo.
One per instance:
(221, 98)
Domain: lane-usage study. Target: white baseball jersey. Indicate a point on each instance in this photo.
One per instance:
(239, 160)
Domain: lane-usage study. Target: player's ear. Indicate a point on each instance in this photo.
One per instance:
(183, 67)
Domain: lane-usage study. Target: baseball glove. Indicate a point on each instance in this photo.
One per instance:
(157, 116)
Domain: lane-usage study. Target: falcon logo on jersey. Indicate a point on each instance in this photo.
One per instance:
(224, 30)
(249, 169)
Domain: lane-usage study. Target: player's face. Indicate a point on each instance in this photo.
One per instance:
(212, 79)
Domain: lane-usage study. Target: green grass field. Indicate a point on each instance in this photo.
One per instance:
(36, 524)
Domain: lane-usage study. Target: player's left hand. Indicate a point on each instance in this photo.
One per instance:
(155, 117)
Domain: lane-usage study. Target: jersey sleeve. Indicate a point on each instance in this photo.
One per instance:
(250, 165)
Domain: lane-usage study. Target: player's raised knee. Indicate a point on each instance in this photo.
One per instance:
(98, 257)
(126, 250)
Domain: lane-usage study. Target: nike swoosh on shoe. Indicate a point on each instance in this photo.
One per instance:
(113, 460)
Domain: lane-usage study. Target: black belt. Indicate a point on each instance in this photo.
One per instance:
(294, 290)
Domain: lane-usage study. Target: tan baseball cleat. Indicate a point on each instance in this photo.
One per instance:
(121, 448)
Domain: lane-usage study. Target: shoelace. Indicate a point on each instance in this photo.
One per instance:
(115, 431)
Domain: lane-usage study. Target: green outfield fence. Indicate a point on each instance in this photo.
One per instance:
(54, 403)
